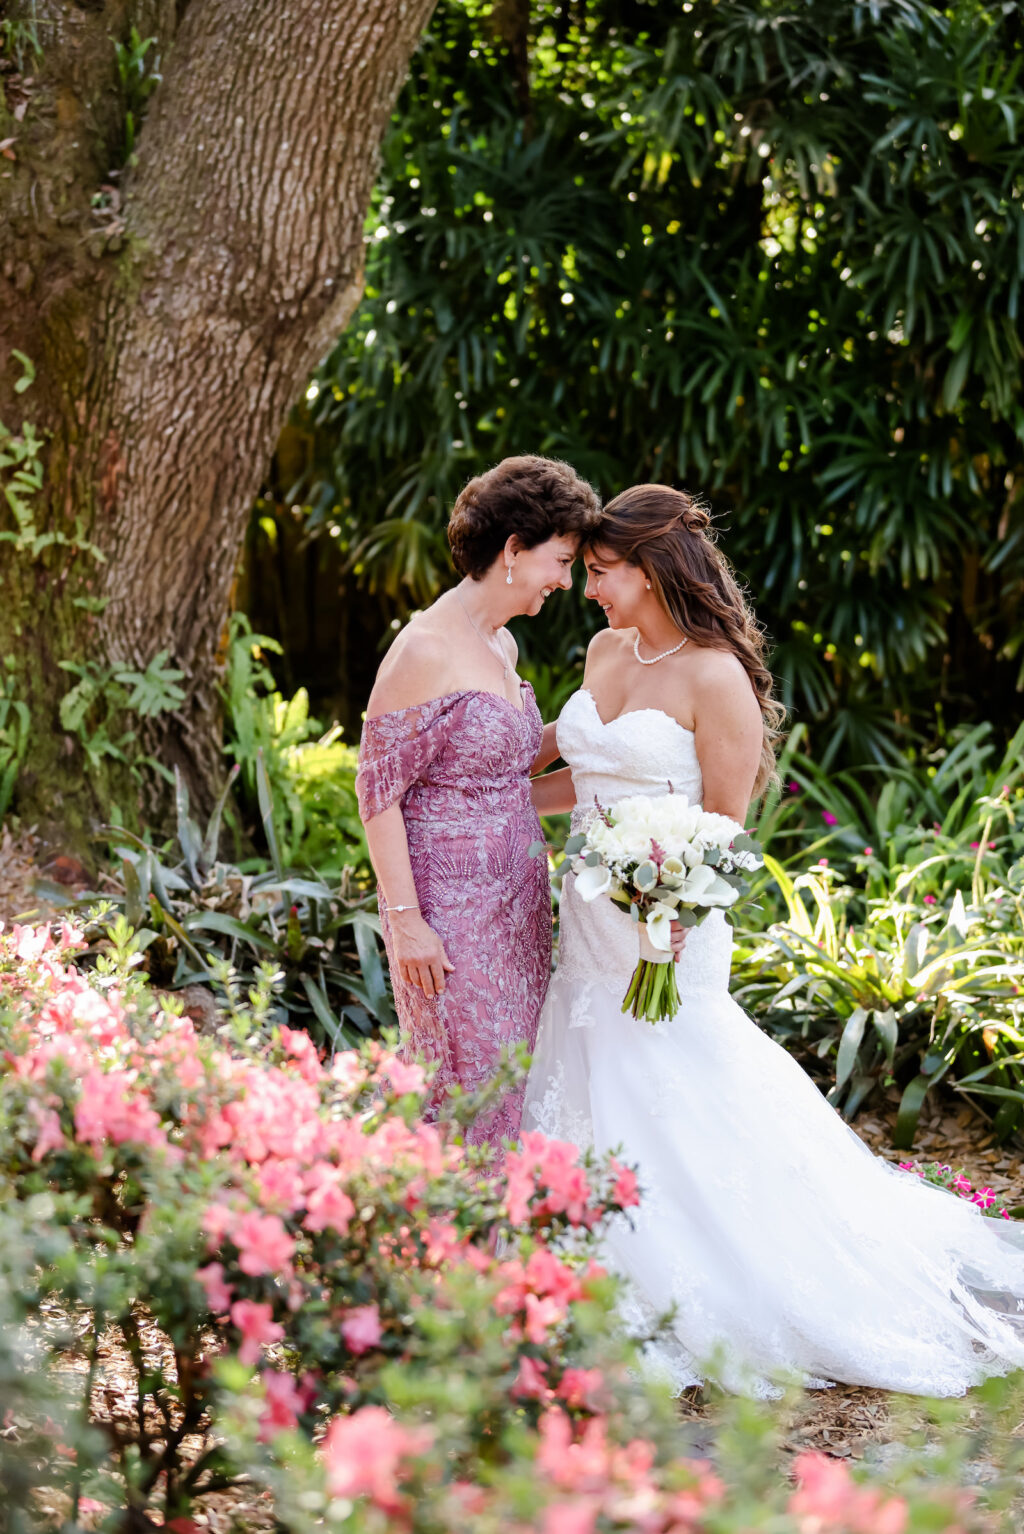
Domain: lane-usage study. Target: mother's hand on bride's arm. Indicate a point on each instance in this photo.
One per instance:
(419, 954)
(728, 732)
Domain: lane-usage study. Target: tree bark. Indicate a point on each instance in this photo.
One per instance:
(172, 310)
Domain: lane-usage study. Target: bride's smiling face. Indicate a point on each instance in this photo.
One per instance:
(619, 589)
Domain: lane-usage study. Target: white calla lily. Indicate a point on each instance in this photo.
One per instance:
(591, 882)
(659, 926)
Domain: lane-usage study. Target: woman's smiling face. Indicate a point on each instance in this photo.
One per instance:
(543, 569)
(617, 587)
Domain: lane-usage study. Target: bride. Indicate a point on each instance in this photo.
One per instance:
(778, 1242)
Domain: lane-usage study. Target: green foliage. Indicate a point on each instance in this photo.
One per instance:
(138, 77)
(95, 708)
(15, 731)
(311, 773)
(899, 958)
(19, 40)
(200, 919)
(773, 253)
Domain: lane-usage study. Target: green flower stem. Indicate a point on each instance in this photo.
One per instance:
(653, 993)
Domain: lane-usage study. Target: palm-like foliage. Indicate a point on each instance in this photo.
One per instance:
(771, 251)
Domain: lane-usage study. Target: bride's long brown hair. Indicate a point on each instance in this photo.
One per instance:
(669, 536)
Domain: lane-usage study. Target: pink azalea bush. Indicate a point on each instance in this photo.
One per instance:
(350, 1307)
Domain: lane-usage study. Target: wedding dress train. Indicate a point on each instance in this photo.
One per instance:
(783, 1246)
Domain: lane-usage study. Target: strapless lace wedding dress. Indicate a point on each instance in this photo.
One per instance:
(779, 1242)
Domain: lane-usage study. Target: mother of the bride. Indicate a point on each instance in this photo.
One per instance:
(450, 739)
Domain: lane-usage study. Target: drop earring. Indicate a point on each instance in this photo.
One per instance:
(508, 578)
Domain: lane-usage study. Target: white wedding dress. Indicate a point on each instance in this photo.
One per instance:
(784, 1246)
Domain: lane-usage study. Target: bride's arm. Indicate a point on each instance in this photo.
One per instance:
(548, 752)
(553, 794)
(728, 734)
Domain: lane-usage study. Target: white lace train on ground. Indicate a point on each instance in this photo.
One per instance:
(782, 1244)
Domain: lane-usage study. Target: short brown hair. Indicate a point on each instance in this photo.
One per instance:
(534, 498)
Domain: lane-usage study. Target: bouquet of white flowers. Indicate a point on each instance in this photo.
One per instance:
(665, 860)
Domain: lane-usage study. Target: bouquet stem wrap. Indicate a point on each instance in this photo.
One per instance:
(652, 993)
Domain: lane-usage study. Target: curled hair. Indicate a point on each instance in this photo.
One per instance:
(533, 498)
(669, 536)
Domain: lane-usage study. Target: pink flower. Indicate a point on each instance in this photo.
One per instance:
(30, 943)
(829, 819)
(402, 1077)
(869, 852)
(579, 1388)
(625, 1192)
(218, 1293)
(253, 1320)
(960, 1183)
(361, 1329)
(530, 1382)
(363, 1455)
(304, 1052)
(50, 1136)
(328, 1206)
(822, 863)
(570, 1518)
(113, 1109)
(929, 899)
(284, 1403)
(264, 1246)
(829, 1498)
(984, 1198)
(793, 788)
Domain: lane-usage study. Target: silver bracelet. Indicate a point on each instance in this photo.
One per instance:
(390, 908)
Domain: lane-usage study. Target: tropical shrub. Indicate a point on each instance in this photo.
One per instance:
(311, 772)
(321, 1295)
(770, 252)
(899, 959)
(198, 919)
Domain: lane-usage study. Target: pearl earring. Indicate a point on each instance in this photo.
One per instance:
(508, 578)
(648, 585)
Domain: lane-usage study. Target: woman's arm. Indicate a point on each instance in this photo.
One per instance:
(728, 733)
(419, 954)
(553, 794)
(548, 752)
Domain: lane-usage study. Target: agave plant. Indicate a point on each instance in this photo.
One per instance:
(199, 919)
(907, 995)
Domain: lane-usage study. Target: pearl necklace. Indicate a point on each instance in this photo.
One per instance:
(502, 657)
(654, 658)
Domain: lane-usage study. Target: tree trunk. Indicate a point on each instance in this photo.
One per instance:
(171, 308)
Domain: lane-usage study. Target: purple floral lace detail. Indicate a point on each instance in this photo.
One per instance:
(459, 766)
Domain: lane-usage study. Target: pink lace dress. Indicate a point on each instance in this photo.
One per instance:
(459, 766)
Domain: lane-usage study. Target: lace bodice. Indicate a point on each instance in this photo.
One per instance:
(643, 752)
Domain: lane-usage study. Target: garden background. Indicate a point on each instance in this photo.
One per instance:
(768, 252)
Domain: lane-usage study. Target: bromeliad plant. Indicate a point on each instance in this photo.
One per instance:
(198, 919)
(913, 993)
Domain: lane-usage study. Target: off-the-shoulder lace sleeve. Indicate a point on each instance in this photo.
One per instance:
(395, 751)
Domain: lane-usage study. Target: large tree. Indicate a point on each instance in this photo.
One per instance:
(183, 189)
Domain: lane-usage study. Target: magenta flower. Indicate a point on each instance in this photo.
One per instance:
(984, 1198)
(929, 900)
(823, 862)
(829, 819)
(869, 852)
(961, 1184)
(793, 788)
